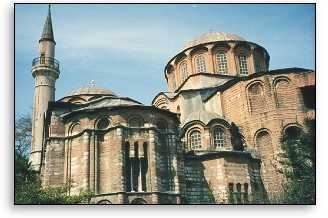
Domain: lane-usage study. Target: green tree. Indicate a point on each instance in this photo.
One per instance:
(298, 159)
(28, 189)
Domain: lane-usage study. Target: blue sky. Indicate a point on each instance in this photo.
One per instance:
(125, 47)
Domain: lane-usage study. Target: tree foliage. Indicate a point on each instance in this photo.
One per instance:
(298, 159)
(28, 189)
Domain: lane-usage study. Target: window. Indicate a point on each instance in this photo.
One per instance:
(103, 123)
(257, 62)
(218, 137)
(231, 193)
(195, 140)
(293, 133)
(243, 65)
(136, 122)
(246, 193)
(238, 197)
(308, 93)
(200, 64)
(136, 161)
(183, 71)
(222, 64)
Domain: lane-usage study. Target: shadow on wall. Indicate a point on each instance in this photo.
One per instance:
(200, 190)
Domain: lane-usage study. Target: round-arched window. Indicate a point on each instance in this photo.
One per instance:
(183, 71)
(218, 137)
(103, 123)
(242, 59)
(200, 64)
(222, 65)
(195, 140)
(293, 132)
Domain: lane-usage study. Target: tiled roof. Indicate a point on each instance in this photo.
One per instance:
(212, 37)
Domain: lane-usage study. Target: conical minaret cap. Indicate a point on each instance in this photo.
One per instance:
(47, 33)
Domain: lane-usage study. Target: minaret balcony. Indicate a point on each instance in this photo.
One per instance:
(47, 62)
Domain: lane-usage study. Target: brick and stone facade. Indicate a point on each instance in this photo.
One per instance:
(182, 148)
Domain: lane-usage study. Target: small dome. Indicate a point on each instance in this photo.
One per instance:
(91, 90)
(213, 37)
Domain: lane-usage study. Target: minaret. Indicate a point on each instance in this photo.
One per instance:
(45, 70)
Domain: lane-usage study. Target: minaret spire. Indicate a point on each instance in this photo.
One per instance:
(47, 33)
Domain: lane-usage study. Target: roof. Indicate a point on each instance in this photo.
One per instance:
(203, 116)
(212, 37)
(47, 33)
(91, 90)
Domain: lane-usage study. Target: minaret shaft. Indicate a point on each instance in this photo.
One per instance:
(45, 70)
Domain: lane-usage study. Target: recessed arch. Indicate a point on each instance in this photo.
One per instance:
(292, 130)
(136, 121)
(74, 128)
(285, 93)
(256, 97)
(198, 50)
(76, 100)
(263, 143)
(104, 202)
(139, 201)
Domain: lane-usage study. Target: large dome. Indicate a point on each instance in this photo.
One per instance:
(212, 37)
(91, 90)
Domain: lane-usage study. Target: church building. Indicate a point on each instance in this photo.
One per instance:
(213, 137)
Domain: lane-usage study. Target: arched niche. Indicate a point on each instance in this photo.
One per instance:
(139, 201)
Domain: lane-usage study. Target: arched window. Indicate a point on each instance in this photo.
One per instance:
(136, 122)
(231, 193)
(218, 137)
(183, 71)
(195, 140)
(245, 193)
(103, 123)
(222, 65)
(200, 64)
(238, 197)
(293, 133)
(257, 61)
(286, 96)
(242, 65)
(256, 98)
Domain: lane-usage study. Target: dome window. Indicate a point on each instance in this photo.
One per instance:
(242, 65)
(200, 64)
(222, 65)
(183, 71)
